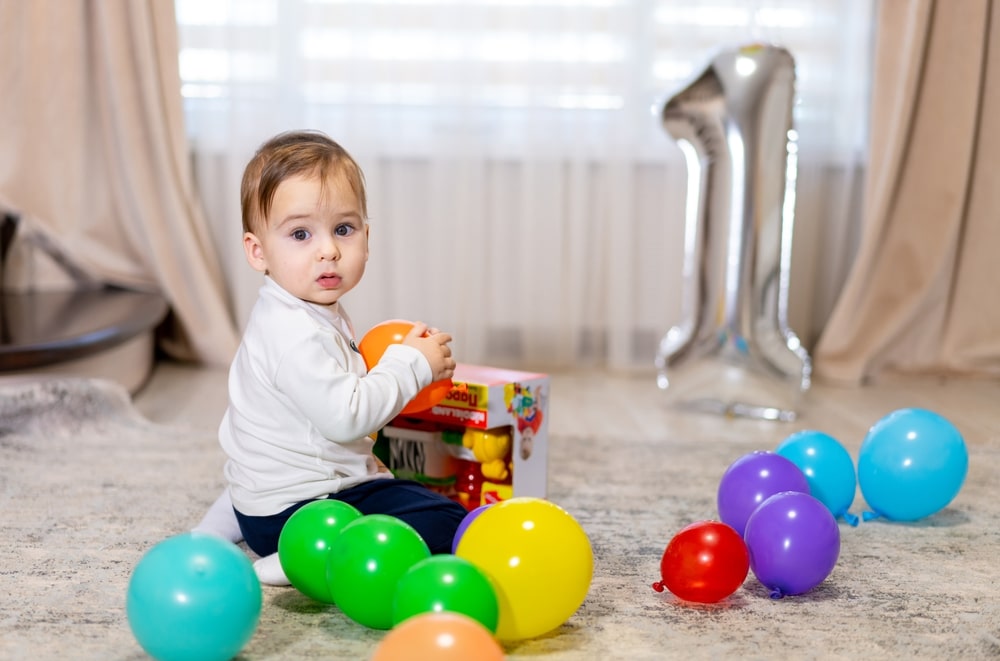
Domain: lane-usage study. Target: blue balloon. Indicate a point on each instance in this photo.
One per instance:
(750, 480)
(828, 468)
(794, 543)
(193, 597)
(912, 463)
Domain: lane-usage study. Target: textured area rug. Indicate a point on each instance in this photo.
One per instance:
(88, 485)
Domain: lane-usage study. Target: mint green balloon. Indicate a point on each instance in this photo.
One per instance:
(193, 597)
(305, 541)
(365, 564)
(446, 583)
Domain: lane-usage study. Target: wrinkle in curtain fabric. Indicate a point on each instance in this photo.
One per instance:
(922, 295)
(94, 156)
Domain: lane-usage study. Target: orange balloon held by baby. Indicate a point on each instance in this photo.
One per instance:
(374, 344)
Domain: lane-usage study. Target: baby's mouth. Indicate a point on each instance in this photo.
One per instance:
(328, 280)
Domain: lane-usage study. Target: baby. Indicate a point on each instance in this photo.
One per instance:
(302, 406)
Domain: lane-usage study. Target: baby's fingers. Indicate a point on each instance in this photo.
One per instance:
(419, 330)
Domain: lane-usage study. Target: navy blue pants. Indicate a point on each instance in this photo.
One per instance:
(432, 515)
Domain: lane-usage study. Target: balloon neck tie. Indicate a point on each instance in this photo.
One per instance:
(852, 519)
(658, 586)
(776, 593)
(868, 516)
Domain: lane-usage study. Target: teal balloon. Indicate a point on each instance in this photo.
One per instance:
(365, 564)
(446, 583)
(827, 465)
(305, 542)
(193, 597)
(912, 463)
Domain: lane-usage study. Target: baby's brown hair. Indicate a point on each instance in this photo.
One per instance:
(291, 154)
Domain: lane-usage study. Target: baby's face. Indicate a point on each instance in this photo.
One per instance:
(315, 240)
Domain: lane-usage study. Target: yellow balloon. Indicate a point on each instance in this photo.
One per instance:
(539, 559)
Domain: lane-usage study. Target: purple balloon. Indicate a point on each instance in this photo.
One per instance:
(794, 543)
(468, 519)
(752, 479)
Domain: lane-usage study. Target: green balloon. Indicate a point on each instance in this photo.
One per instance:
(446, 583)
(365, 564)
(305, 542)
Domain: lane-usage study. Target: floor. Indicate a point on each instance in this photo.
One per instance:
(598, 403)
(634, 470)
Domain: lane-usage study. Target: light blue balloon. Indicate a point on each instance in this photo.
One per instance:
(912, 463)
(828, 468)
(193, 597)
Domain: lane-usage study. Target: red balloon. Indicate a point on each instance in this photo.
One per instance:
(374, 344)
(705, 562)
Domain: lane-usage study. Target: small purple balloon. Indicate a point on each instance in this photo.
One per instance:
(468, 519)
(794, 543)
(752, 479)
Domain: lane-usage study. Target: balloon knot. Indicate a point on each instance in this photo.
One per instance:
(776, 593)
(852, 519)
(658, 586)
(868, 516)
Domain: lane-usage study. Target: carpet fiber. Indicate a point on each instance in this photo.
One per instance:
(89, 485)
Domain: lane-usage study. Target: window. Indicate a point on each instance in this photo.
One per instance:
(588, 73)
(527, 133)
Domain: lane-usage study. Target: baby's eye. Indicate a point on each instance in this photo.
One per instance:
(300, 234)
(344, 230)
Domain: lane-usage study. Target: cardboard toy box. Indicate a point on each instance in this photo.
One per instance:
(486, 441)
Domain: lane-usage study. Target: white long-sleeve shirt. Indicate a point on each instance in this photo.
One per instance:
(302, 404)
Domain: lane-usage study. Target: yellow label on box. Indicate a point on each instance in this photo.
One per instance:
(493, 492)
(469, 396)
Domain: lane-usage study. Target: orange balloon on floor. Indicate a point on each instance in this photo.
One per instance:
(440, 636)
(374, 344)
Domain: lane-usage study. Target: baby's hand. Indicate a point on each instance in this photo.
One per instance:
(434, 345)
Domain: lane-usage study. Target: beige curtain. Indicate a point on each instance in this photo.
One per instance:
(94, 157)
(924, 293)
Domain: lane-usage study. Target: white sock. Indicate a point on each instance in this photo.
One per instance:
(220, 520)
(269, 570)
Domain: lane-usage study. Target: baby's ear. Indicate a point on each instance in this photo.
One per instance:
(254, 252)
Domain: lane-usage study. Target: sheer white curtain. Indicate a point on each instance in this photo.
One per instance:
(522, 192)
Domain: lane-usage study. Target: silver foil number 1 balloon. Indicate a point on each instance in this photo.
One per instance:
(733, 352)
